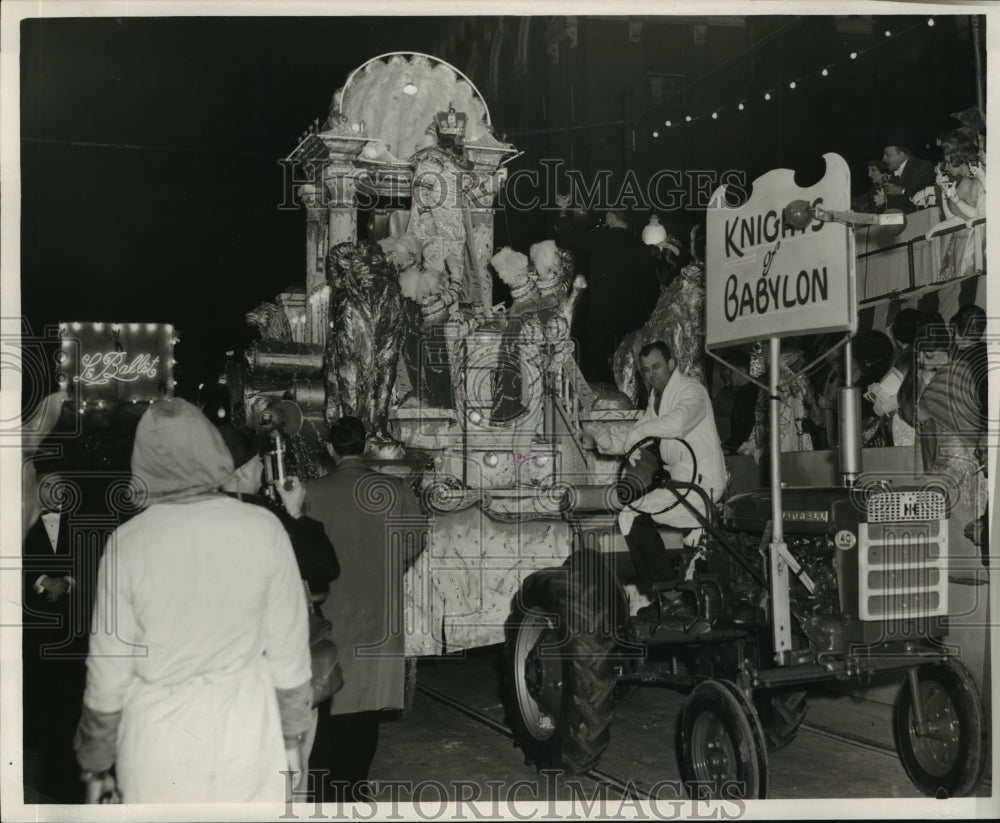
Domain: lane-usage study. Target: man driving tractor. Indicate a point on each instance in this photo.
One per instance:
(680, 414)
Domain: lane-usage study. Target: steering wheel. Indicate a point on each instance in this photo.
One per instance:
(630, 489)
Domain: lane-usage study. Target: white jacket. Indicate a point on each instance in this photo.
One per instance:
(685, 412)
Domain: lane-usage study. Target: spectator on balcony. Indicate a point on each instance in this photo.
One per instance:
(963, 201)
(873, 200)
(910, 177)
(965, 197)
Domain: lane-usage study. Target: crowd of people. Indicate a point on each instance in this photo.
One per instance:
(198, 683)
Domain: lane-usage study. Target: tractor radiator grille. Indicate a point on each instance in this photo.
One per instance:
(896, 507)
(902, 565)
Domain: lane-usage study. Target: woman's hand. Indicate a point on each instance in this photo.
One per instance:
(295, 766)
(101, 790)
(292, 497)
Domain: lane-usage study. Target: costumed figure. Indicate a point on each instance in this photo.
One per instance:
(545, 294)
(366, 324)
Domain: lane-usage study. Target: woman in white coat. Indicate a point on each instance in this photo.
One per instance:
(198, 676)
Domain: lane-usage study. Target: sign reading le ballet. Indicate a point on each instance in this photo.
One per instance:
(110, 363)
(100, 369)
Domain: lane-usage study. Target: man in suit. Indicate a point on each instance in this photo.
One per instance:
(910, 176)
(54, 640)
(679, 408)
(377, 525)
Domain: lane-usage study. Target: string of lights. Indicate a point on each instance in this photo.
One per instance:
(770, 93)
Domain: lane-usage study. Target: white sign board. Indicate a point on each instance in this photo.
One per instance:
(765, 278)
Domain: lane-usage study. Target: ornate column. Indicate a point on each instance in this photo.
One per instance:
(338, 180)
(316, 235)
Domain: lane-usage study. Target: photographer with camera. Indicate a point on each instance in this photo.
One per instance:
(315, 554)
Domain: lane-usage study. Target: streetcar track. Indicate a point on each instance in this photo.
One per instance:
(599, 776)
(861, 743)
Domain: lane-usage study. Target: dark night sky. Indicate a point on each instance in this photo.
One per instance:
(150, 175)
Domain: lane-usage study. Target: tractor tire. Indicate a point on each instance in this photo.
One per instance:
(781, 713)
(949, 759)
(559, 676)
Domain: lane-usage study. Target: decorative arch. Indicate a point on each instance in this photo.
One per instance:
(397, 95)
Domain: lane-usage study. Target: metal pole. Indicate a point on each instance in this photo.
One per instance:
(849, 418)
(781, 615)
(777, 532)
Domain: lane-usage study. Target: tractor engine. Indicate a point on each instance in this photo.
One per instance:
(872, 564)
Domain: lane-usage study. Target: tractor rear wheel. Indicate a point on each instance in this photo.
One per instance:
(559, 675)
(781, 713)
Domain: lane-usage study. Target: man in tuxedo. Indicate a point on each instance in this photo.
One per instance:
(54, 642)
(910, 176)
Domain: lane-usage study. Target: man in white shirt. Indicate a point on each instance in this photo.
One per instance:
(679, 409)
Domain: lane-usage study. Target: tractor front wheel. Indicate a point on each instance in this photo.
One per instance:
(945, 754)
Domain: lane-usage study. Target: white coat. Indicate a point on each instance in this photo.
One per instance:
(685, 412)
(199, 617)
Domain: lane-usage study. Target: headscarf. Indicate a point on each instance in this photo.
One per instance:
(178, 453)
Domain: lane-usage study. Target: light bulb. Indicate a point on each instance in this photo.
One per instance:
(791, 85)
(767, 95)
(825, 72)
(741, 107)
(667, 123)
(688, 118)
(715, 115)
(930, 21)
(656, 134)
(854, 55)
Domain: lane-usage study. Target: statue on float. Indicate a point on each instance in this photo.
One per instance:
(366, 325)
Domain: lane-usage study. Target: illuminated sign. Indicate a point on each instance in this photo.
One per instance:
(766, 278)
(118, 362)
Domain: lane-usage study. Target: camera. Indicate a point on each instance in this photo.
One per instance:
(278, 423)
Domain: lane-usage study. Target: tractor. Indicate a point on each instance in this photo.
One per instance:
(859, 587)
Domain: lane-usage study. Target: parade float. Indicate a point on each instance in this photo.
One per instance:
(482, 408)
(480, 405)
